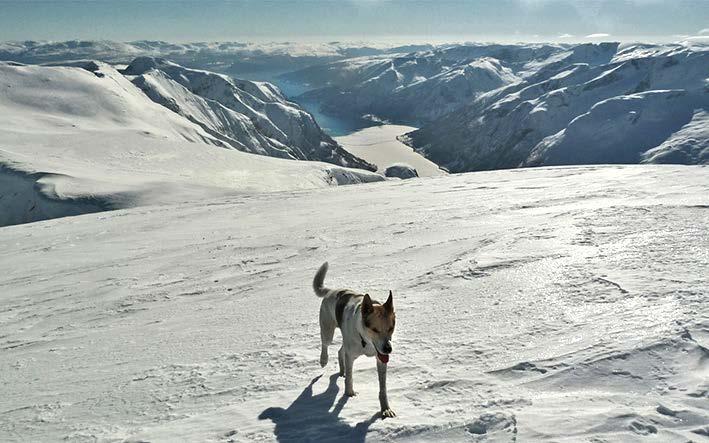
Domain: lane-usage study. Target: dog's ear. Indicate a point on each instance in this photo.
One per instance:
(367, 307)
(389, 305)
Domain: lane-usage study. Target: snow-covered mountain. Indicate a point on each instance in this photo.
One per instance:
(560, 304)
(418, 86)
(641, 103)
(424, 85)
(82, 138)
(443, 93)
(233, 58)
(503, 106)
(249, 116)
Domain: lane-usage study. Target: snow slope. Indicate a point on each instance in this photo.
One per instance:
(250, 116)
(689, 145)
(592, 106)
(620, 130)
(442, 93)
(548, 304)
(82, 138)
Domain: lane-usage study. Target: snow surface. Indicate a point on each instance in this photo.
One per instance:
(556, 304)
(379, 145)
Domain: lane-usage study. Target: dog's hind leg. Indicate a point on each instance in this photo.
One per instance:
(341, 360)
(327, 332)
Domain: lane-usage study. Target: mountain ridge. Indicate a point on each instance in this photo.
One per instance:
(81, 137)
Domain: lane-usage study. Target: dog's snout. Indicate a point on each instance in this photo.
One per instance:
(387, 347)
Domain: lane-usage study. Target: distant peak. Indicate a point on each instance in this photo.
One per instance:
(142, 64)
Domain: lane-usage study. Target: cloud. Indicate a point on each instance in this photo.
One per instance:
(704, 31)
(598, 35)
(698, 38)
(565, 36)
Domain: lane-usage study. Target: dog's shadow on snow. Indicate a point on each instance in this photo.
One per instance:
(309, 417)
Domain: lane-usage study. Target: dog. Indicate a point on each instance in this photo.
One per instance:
(366, 327)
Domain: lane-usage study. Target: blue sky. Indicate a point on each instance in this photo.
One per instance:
(313, 20)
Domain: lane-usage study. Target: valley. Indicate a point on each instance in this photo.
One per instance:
(379, 145)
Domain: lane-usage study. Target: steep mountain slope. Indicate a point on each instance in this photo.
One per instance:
(619, 130)
(250, 116)
(83, 138)
(553, 304)
(689, 145)
(233, 128)
(599, 112)
(443, 93)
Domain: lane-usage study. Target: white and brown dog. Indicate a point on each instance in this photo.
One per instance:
(366, 326)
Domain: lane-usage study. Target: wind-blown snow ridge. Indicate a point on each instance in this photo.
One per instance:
(548, 304)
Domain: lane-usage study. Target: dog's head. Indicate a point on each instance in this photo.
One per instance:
(379, 322)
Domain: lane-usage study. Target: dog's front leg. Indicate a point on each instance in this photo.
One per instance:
(349, 363)
(383, 400)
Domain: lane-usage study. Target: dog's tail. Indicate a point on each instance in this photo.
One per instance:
(319, 280)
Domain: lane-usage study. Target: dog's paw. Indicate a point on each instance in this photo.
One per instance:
(323, 359)
(388, 413)
(350, 393)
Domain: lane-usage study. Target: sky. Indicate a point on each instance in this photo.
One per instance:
(325, 20)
